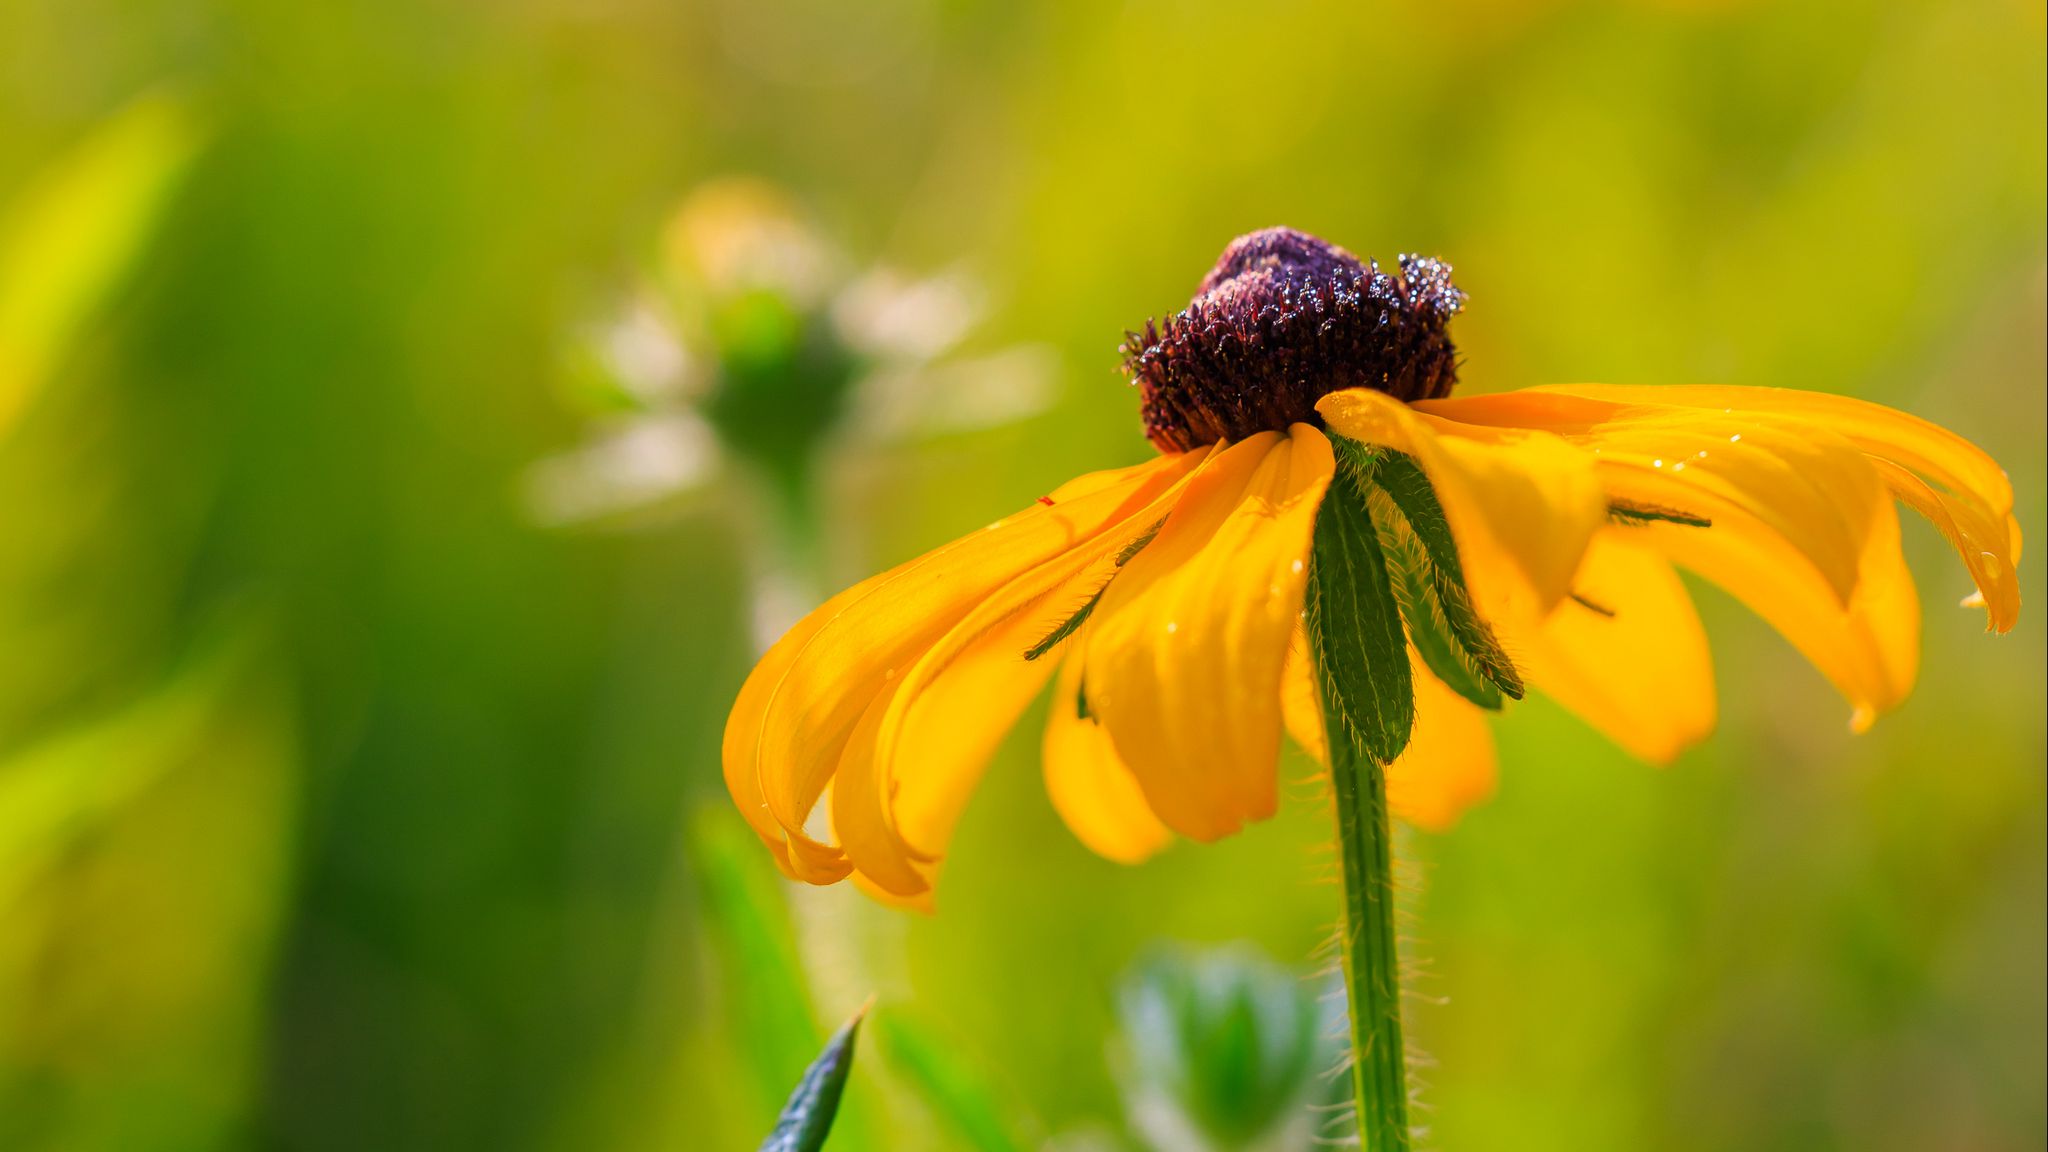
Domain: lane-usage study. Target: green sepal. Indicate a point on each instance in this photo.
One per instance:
(1072, 624)
(1633, 513)
(1067, 627)
(807, 1119)
(1429, 579)
(1354, 627)
(1593, 606)
(1429, 626)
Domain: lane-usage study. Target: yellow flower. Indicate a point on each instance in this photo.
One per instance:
(1165, 599)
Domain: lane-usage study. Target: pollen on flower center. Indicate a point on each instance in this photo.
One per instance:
(1283, 319)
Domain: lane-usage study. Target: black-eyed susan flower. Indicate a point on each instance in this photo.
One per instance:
(1313, 463)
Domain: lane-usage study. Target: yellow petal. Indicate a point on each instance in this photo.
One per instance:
(743, 731)
(1804, 483)
(1641, 675)
(1869, 648)
(1184, 665)
(1524, 497)
(876, 854)
(1945, 477)
(1301, 708)
(1449, 763)
(1989, 548)
(924, 901)
(790, 725)
(1093, 791)
(912, 763)
(1905, 439)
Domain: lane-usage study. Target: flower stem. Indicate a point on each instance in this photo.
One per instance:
(1372, 975)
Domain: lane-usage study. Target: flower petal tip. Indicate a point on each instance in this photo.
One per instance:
(924, 902)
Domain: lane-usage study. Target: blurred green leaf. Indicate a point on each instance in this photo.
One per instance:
(747, 923)
(807, 1118)
(955, 1090)
(67, 238)
(143, 858)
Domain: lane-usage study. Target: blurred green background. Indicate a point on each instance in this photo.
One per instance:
(359, 789)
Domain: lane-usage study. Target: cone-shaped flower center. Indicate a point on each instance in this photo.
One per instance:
(1283, 319)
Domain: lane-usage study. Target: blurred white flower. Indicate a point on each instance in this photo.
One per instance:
(964, 395)
(885, 315)
(645, 356)
(754, 341)
(629, 466)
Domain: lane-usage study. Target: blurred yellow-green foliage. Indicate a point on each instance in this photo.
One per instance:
(347, 803)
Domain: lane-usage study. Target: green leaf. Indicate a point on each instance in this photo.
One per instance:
(204, 763)
(760, 978)
(1454, 640)
(807, 1118)
(1354, 625)
(956, 1092)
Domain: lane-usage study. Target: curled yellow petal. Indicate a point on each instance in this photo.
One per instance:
(1869, 648)
(791, 722)
(1803, 483)
(1626, 652)
(911, 766)
(913, 762)
(1091, 789)
(1184, 665)
(1989, 548)
(1943, 476)
(1901, 437)
(743, 733)
(873, 850)
(1520, 503)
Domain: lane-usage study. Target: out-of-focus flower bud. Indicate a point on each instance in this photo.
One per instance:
(756, 346)
(1224, 1051)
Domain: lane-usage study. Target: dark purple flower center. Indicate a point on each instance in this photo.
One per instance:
(1281, 321)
